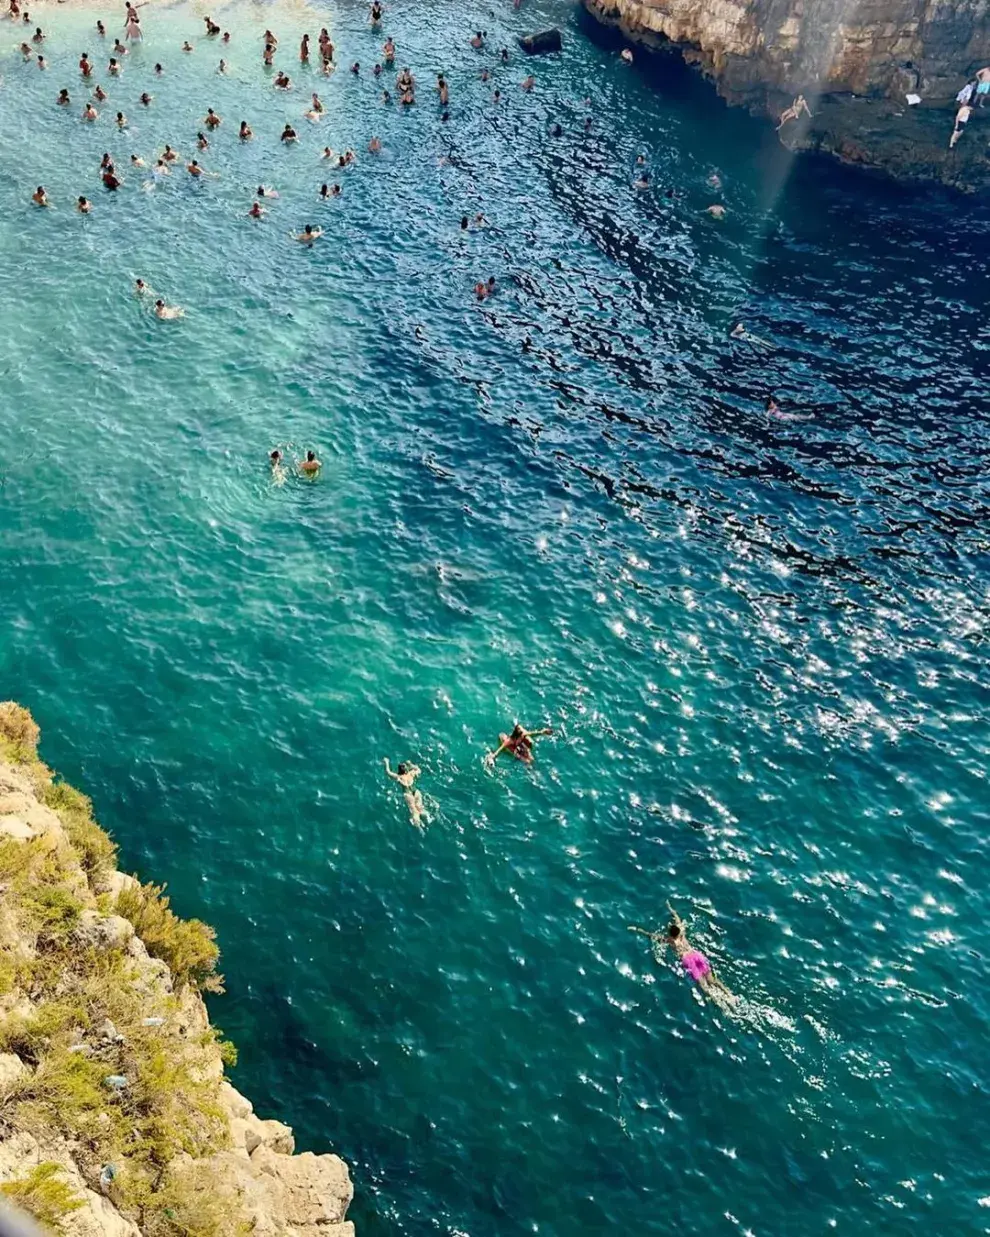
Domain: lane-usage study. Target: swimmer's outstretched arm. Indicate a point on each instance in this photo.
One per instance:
(533, 734)
(656, 937)
(491, 757)
(388, 770)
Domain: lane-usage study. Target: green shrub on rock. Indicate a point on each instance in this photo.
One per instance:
(187, 946)
(44, 1194)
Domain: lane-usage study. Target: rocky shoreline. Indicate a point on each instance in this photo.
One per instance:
(855, 78)
(115, 1116)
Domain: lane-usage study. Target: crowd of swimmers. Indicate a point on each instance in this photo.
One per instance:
(517, 743)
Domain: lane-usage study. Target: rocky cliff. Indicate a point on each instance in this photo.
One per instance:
(854, 62)
(115, 1116)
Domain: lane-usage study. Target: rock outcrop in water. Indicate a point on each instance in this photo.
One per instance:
(855, 63)
(115, 1117)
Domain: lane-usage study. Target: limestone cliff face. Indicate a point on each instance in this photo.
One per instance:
(761, 53)
(115, 1117)
(865, 47)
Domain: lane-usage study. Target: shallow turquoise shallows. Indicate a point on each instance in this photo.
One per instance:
(761, 639)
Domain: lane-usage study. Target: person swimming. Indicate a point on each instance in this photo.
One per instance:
(310, 465)
(406, 776)
(277, 465)
(257, 211)
(85, 65)
(202, 142)
(63, 98)
(375, 146)
(283, 81)
(40, 197)
(306, 237)
(83, 205)
(246, 133)
(519, 742)
(211, 119)
(137, 162)
(90, 112)
(692, 960)
(167, 312)
(289, 134)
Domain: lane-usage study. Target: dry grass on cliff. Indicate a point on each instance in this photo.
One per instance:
(59, 993)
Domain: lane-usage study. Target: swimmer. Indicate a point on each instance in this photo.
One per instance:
(335, 191)
(101, 30)
(739, 331)
(377, 70)
(106, 162)
(270, 38)
(527, 83)
(324, 191)
(268, 55)
(477, 41)
(480, 290)
(226, 37)
(141, 288)
(63, 98)
(38, 36)
(100, 94)
(626, 56)
(289, 134)
(158, 70)
(406, 776)
(557, 131)
(328, 153)
(484, 75)
(318, 104)
(168, 154)
(464, 223)
(408, 98)
(42, 63)
(211, 119)
(245, 133)
(39, 197)
(388, 51)
(161, 168)
(257, 211)
(375, 146)
(137, 162)
(505, 55)
(642, 181)
(376, 13)
(194, 169)
(442, 89)
(266, 191)
(85, 66)
(304, 49)
(211, 27)
(496, 97)
(350, 156)
(83, 205)
(121, 120)
(386, 97)
(356, 68)
(275, 462)
(641, 161)
(187, 46)
(283, 81)
(693, 960)
(145, 99)
(26, 52)
(405, 81)
(306, 237)
(773, 408)
(167, 312)
(310, 465)
(90, 112)
(118, 48)
(490, 286)
(519, 743)
(222, 67)
(717, 211)
(715, 181)
(201, 142)
(113, 68)
(111, 180)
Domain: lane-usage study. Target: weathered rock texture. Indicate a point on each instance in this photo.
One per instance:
(115, 1117)
(762, 53)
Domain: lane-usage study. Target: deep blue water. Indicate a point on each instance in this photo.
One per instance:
(762, 641)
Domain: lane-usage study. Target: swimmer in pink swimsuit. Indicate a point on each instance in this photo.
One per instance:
(693, 960)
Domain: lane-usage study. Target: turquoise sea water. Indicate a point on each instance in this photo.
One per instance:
(762, 642)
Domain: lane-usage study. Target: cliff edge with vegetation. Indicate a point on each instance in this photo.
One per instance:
(115, 1117)
(854, 62)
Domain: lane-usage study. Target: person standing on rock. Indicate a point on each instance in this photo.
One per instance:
(962, 119)
(983, 85)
